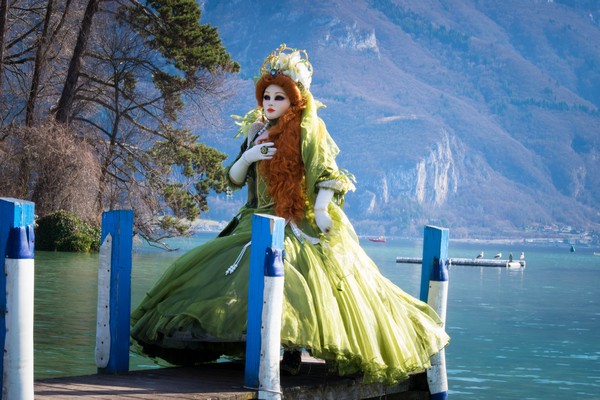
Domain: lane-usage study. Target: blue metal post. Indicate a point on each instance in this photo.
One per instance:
(267, 233)
(435, 246)
(16, 225)
(119, 224)
(434, 290)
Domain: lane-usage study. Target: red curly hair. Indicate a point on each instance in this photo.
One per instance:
(284, 173)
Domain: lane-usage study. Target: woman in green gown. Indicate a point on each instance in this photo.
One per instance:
(337, 304)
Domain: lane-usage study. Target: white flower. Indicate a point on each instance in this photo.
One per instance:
(303, 75)
(282, 62)
(292, 65)
(294, 58)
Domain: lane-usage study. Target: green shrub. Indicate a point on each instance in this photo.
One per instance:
(65, 231)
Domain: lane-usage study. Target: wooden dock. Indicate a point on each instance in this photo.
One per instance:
(223, 381)
(473, 262)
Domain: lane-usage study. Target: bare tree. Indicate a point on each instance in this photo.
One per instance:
(65, 102)
(66, 168)
(147, 164)
(46, 39)
(3, 20)
(35, 43)
(117, 88)
(38, 65)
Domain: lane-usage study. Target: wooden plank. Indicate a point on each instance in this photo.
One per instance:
(222, 381)
(217, 381)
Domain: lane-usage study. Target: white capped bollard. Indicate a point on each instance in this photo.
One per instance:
(268, 373)
(438, 300)
(265, 302)
(17, 298)
(434, 290)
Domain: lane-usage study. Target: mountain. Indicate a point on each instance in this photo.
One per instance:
(477, 115)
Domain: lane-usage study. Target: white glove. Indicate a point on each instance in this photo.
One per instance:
(263, 151)
(322, 217)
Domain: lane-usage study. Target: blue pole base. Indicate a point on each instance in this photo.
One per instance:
(440, 396)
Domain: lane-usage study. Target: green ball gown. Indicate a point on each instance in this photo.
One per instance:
(337, 304)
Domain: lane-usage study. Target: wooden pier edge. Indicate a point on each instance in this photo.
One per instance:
(469, 262)
(225, 381)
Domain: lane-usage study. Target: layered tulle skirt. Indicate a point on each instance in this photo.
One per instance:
(337, 306)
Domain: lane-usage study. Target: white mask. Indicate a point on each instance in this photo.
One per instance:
(275, 102)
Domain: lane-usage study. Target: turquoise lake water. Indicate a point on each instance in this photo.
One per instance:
(531, 333)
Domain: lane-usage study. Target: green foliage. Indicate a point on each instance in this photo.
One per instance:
(65, 231)
(175, 31)
(170, 86)
(189, 172)
(149, 65)
(554, 105)
(173, 28)
(170, 223)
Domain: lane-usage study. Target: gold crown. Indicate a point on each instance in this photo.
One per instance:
(289, 62)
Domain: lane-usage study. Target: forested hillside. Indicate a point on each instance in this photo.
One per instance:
(481, 116)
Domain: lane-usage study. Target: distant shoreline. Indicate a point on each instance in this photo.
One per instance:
(211, 226)
(540, 241)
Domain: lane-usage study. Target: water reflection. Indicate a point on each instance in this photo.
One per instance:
(65, 312)
(65, 305)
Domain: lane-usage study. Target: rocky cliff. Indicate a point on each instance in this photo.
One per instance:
(478, 115)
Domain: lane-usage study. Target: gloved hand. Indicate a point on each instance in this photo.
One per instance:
(322, 217)
(263, 151)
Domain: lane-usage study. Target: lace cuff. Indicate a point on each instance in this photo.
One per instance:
(303, 237)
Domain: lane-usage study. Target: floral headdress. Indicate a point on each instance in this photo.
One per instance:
(289, 62)
(286, 61)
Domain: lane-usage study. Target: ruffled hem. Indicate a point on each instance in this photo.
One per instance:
(337, 306)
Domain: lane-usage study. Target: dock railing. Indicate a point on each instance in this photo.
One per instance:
(263, 347)
(264, 310)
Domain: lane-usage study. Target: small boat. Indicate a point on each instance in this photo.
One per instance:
(380, 239)
(572, 249)
(596, 253)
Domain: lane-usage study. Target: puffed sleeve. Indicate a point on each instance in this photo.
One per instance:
(319, 152)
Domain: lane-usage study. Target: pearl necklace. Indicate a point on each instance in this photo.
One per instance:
(262, 130)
